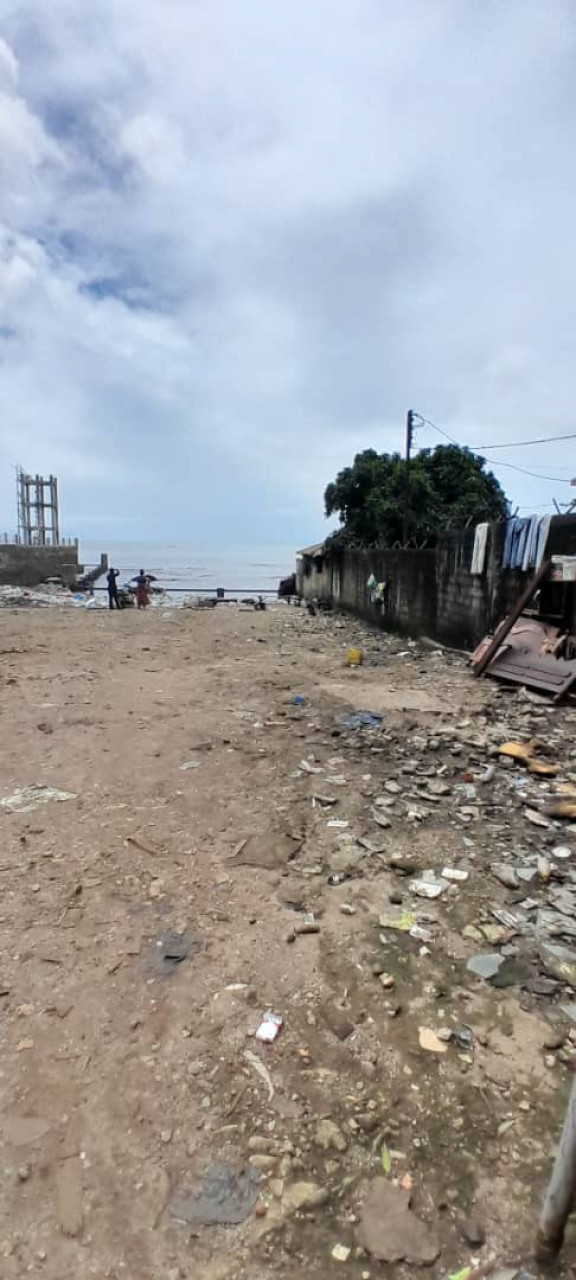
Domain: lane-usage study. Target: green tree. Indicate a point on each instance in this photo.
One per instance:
(448, 487)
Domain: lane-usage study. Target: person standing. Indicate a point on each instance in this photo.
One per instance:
(142, 597)
(113, 601)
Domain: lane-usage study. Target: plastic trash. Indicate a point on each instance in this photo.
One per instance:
(298, 700)
(270, 1027)
(361, 720)
(354, 657)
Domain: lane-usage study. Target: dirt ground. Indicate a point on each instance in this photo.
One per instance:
(148, 924)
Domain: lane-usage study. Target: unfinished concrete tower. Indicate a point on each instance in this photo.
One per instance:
(38, 524)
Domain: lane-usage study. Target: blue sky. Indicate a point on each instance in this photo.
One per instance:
(238, 241)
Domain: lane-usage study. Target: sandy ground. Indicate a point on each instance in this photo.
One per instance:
(140, 950)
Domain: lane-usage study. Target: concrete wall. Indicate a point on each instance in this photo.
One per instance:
(28, 566)
(431, 592)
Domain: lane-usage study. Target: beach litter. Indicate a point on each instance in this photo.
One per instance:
(26, 799)
(269, 1028)
(361, 720)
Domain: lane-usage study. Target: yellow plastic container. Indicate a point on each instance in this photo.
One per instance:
(354, 657)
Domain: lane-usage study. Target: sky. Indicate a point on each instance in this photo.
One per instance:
(239, 240)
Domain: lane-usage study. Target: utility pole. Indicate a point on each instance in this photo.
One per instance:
(409, 438)
(561, 1193)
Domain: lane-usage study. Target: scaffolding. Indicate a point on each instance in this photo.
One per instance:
(38, 524)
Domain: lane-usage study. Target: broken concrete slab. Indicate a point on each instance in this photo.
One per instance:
(558, 962)
(223, 1195)
(390, 1231)
(269, 851)
(485, 966)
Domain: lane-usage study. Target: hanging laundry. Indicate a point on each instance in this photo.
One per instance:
(479, 552)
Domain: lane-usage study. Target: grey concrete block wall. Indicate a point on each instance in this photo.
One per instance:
(432, 592)
(22, 566)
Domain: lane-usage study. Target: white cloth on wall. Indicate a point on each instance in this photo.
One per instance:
(479, 552)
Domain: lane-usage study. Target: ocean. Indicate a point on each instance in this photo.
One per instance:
(192, 569)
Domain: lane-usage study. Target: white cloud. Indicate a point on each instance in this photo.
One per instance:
(237, 243)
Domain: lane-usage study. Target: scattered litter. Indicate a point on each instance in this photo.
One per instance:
(361, 720)
(341, 1253)
(337, 824)
(561, 851)
(189, 764)
(354, 657)
(537, 819)
(385, 1159)
(455, 874)
(140, 842)
(428, 888)
(561, 809)
(298, 700)
(169, 950)
(404, 922)
(26, 799)
(306, 767)
(428, 1040)
(485, 966)
(270, 1027)
(337, 878)
(224, 1194)
(260, 1070)
(463, 1037)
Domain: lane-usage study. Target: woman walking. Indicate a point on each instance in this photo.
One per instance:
(142, 596)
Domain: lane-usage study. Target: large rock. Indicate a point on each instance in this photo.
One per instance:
(304, 1195)
(558, 962)
(328, 1137)
(390, 1232)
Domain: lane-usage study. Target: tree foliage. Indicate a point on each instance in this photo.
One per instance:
(449, 486)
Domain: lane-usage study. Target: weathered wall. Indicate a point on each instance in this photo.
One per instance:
(431, 592)
(28, 566)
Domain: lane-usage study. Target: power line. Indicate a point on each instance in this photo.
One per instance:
(513, 444)
(510, 465)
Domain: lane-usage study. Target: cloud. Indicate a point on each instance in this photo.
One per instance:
(237, 243)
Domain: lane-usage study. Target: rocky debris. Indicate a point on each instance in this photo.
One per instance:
(303, 1196)
(428, 1040)
(224, 1194)
(485, 966)
(390, 1231)
(269, 851)
(328, 1137)
(558, 962)
(338, 1020)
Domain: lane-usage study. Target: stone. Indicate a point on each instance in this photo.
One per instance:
(337, 1020)
(387, 981)
(304, 1195)
(558, 962)
(261, 1144)
(224, 1194)
(485, 966)
(473, 1231)
(428, 1040)
(390, 1231)
(263, 1163)
(328, 1137)
(24, 1173)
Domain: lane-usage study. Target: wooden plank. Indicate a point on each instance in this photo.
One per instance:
(506, 626)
